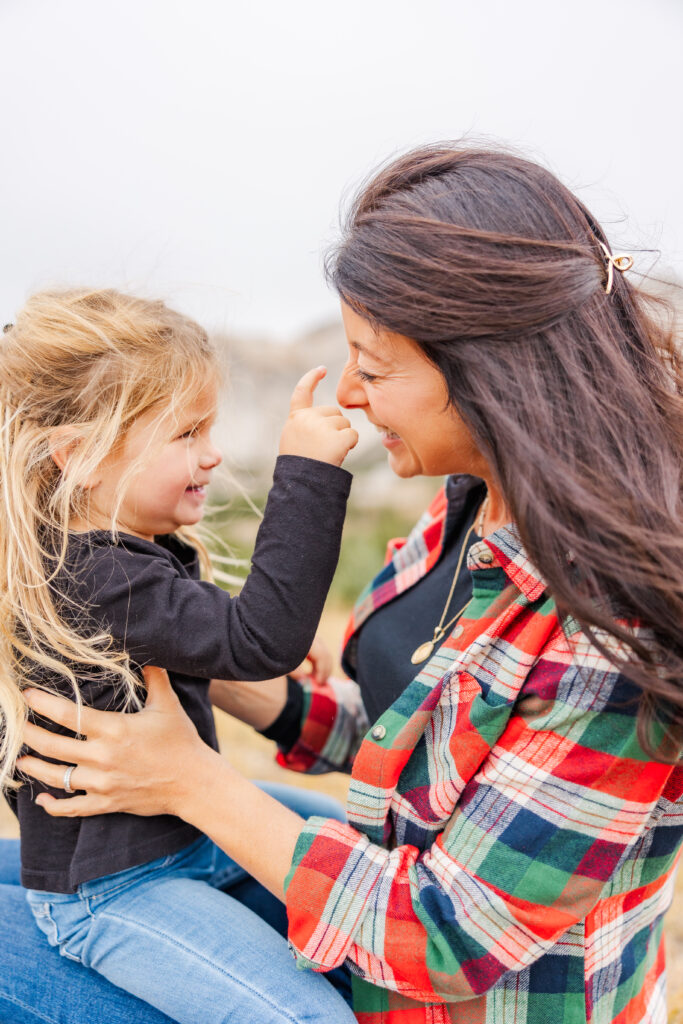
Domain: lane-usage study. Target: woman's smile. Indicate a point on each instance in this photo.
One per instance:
(390, 440)
(388, 437)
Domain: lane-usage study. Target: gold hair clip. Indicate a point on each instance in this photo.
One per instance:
(622, 261)
(7, 327)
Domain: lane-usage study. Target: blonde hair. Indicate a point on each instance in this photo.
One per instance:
(92, 362)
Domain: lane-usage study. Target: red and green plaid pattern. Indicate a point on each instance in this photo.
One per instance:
(510, 848)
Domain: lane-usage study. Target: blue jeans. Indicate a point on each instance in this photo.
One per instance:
(167, 934)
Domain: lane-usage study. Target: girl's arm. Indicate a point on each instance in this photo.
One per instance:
(192, 627)
(160, 616)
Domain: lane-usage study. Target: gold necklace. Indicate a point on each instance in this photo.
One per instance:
(425, 649)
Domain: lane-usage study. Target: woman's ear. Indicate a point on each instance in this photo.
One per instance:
(63, 442)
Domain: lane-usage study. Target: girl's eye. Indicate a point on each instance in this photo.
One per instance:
(187, 434)
(367, 378)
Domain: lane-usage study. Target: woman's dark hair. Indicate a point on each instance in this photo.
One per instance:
(573, 395)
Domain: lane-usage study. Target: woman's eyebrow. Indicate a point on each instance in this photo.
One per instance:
(369, 352)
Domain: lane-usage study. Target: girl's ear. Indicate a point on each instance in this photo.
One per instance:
(63, 443)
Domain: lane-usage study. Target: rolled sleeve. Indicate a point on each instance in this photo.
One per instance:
(333, 724)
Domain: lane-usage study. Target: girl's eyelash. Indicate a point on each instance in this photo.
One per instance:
(367, 377)
(195, 429)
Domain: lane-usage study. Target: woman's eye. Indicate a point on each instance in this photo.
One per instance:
(367, 378)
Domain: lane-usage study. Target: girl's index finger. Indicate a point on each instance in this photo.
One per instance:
(61, 710)
(302, 396)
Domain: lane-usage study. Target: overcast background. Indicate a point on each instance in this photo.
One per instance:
(199, 150)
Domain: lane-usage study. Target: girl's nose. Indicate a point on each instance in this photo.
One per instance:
(210, 457)
(350, 390)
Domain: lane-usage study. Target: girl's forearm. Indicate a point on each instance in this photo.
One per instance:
(253, 828)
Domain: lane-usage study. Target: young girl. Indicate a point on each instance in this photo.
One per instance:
(107, 406)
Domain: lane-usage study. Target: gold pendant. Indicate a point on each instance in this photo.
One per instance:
(422, 652)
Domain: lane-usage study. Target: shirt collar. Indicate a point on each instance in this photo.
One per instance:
(503, 549)
(505, 544)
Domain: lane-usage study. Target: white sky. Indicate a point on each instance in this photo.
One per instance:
(199, 150)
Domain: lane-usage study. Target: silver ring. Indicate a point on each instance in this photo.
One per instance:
(66, 782)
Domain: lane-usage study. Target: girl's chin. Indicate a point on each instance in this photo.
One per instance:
(192, 518)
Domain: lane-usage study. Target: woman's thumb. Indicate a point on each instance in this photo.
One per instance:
(159, 689)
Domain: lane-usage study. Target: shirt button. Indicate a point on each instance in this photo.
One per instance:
(379, 732)
(458, 631)
(486, 557)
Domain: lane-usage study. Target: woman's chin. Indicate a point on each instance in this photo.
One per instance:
(402, 465)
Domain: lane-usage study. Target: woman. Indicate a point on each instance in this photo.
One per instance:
(515, 813)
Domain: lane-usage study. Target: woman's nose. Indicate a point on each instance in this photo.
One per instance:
(350, 390)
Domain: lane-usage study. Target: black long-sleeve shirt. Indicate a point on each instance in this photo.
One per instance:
(148, 595)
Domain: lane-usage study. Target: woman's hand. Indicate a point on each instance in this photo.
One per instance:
(319, 662)
(144, 763)
(154, 762)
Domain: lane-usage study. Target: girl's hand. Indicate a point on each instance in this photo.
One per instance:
(318, 432)
(142, 763)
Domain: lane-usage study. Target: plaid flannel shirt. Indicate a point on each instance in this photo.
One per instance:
(510, 850)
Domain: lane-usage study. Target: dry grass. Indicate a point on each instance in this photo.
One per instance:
(253, 756)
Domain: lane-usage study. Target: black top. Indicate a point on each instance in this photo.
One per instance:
(390, 634)
(388, 638)
(149, 597)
